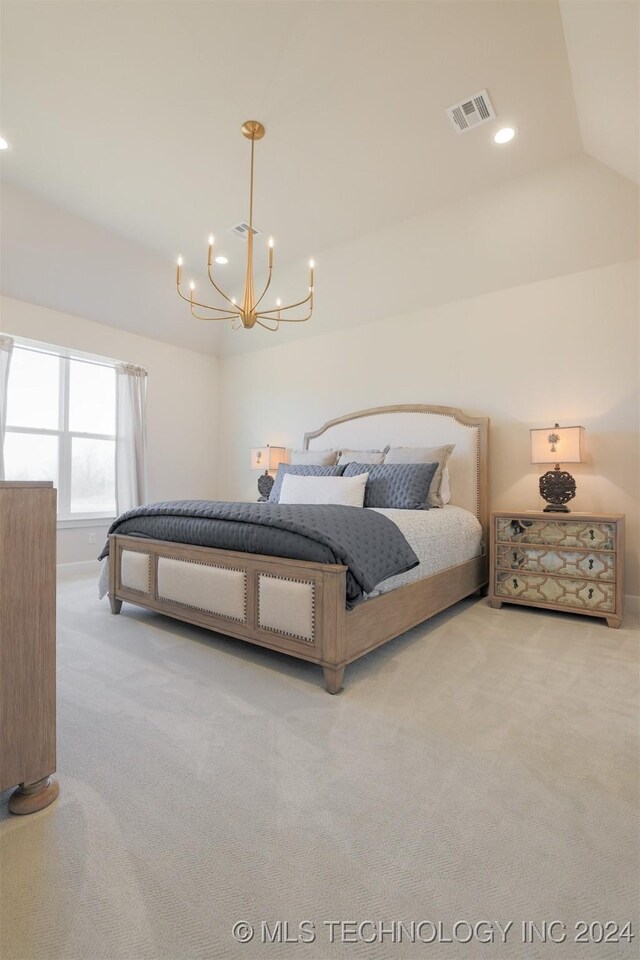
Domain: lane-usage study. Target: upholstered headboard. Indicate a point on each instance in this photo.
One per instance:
(420, 425)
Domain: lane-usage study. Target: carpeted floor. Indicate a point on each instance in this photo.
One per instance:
(483, 767)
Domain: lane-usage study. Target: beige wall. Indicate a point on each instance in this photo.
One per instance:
(562, 349)
(563, 219)
(182, 415)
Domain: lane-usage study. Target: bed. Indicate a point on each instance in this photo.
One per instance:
(299, 607)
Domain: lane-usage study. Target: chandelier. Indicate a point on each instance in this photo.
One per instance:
(246, 313)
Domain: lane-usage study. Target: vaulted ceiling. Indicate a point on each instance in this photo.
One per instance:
(128, 115)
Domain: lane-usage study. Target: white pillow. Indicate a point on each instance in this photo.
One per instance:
(362, 456)
(445, 487)
(319, 458)
(348, 491)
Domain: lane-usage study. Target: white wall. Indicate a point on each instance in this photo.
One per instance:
(563, 349)
(182, 414)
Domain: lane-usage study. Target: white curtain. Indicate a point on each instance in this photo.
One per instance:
(6, 349)
(131, 437)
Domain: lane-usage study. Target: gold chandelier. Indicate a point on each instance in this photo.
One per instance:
(247, 312)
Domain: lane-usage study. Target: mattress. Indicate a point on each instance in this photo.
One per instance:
(441, 538)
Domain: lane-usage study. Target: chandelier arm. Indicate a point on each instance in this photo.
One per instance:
(215, 285)
(270, 329)
(290, 306)
(228, 316)
(265, 289)
(297, 319)
(205, 306)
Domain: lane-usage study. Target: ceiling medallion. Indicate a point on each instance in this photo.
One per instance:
(246, 313)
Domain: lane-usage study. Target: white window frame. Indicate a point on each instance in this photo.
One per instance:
(65, 436)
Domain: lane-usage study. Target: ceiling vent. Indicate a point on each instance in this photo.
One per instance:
(242, 230)
(471, 112)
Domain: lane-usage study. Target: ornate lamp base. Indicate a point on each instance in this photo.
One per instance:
(265, 483)
(557, 487)
(556, 508)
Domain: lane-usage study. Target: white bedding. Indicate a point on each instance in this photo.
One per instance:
(440, 538)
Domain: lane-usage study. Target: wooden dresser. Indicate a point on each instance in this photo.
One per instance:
(561, 561)
(28, 643)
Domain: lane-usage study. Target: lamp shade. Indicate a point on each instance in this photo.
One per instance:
(267, 458)
(557, 445)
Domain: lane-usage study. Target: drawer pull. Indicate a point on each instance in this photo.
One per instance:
(590, 593)
(515, 584)
(591, 535)
(591, 564)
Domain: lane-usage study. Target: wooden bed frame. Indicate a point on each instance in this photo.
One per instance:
(337, 636)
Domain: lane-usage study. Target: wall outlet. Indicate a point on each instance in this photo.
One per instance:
(92, 537)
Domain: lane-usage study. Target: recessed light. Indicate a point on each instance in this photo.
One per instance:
(3, 144)
(505, 134)
(222, 260)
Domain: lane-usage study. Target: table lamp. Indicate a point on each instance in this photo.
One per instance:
(557, 445)
(268, 459)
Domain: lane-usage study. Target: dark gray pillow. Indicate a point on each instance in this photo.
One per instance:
(302, 470)
(396, 486)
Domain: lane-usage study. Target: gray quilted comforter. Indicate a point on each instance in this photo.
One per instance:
(369, 544)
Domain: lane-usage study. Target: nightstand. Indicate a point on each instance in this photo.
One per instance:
(571, 562)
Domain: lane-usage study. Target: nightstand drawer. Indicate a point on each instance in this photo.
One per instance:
(556, 591)
(589, 565)
(560, 533)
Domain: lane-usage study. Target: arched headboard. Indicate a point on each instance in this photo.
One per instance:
(420, 425)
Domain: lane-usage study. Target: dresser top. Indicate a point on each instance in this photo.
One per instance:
(26, 483)
(572, 515)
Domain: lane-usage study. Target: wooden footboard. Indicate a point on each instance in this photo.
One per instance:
(292, 606)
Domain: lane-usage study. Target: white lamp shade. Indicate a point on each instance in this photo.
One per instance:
(267, 458)
(557, 445)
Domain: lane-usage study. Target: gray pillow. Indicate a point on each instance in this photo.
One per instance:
(302, 470)
(396, 486)
(322, 458)
(438, 455)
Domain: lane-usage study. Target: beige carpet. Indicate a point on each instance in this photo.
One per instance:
(482, 767)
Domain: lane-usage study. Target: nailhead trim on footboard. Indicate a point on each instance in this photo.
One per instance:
(280, 629)
(210, 609)
(124, 560)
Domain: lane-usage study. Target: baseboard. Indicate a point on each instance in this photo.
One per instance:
(631, 603)
(78, 569)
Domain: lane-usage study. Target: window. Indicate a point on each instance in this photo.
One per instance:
(61, 425)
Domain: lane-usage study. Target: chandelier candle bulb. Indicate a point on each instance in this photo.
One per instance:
(248, 313)
(179, 271)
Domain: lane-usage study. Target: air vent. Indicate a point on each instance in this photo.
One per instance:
(471, 112)
(242, 230)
